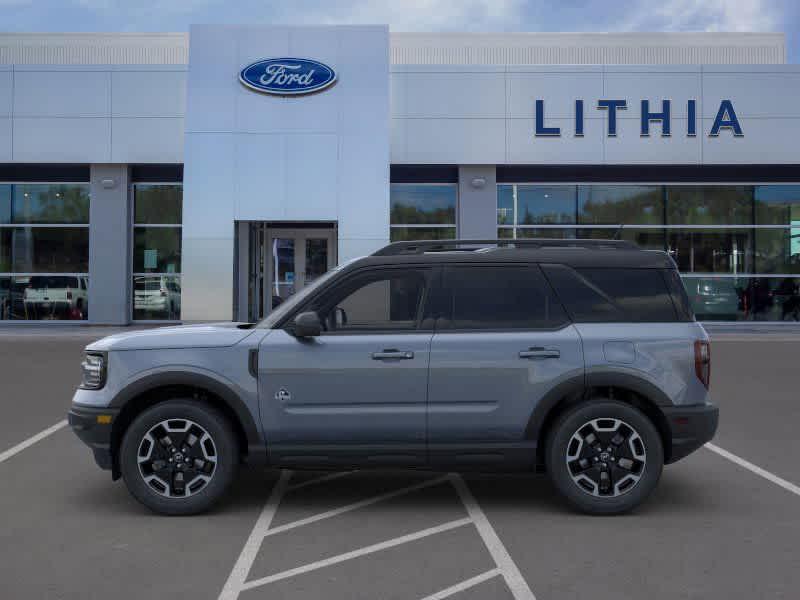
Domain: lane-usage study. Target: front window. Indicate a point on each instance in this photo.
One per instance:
(157, 216)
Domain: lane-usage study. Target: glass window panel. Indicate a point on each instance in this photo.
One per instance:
(316, 258)
(381, 301)
(156, 297)
(720, 298)
(5, 203)
(44, 249)
(404, 234)
(44, 298)
(709, 205)
(416, 204)
(546, 233)
(778, 250)
(538, 204)
(650, 239)
(505, 204)
(158, 204)
(157, 249)
(777, 205)
(501, 298)
(47, 203)
(785, 305)
(712, 250)
(627, 204)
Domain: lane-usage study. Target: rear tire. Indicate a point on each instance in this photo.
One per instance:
(604, 436)
(207, 454)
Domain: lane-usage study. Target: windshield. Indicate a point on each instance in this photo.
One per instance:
(288, 305)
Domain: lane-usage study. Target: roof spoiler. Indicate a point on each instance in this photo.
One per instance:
(423, 246)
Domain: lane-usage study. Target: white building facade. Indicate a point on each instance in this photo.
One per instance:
(144, 177)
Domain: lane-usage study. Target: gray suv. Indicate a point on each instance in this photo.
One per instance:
(580, 358)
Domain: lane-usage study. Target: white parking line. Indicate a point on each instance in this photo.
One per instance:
(357, 553)
(788, 486)
(511, 573)
(355, 505)
(4, 456)
(248, 555)
(464, 585)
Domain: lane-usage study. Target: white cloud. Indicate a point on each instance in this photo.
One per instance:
(705, 15)
(416, 15)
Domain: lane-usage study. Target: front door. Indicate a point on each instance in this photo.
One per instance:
(358, 392)
(502, 342)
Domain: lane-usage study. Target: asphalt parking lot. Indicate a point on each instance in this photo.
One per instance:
(713, 528)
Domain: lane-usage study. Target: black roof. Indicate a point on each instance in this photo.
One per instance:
(575, 253)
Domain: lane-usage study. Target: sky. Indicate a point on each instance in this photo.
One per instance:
(413, 15)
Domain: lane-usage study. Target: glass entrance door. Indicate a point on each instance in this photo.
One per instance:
(283, 261)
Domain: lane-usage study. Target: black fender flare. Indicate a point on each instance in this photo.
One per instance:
(256, 449)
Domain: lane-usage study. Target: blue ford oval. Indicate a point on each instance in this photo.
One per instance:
(287, 76)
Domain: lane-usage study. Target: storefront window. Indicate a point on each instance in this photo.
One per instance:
(44, 251)
(709, 205)
(712, 250)
(157, 214)
(629, 204)
(423, 211)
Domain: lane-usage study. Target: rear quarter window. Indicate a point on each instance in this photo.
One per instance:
(605, 295)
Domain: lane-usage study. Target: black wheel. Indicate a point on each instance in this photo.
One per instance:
(604, 457)
(178, 457)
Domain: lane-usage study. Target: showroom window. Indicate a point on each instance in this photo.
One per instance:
(157, 216)
(737, 246)
(44, 251)
(423, 211)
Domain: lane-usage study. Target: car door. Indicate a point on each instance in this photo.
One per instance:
(502, 342)
(358, 392)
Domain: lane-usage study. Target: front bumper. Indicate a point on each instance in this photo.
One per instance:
(691, 426)
(93, 432)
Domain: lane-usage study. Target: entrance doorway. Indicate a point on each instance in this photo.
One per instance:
(284, 258)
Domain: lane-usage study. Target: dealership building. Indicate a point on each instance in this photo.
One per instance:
(208, 175)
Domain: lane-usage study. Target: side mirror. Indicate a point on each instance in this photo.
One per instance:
(307, 325)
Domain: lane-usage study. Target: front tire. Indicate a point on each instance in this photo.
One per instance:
(605, 457)
(179, 457)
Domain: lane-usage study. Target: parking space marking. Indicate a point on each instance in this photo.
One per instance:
(326, 562)
(4, 456)
(233, 586)
(356, 505)
(788, 486)
(316, 480)
(464, 585)
(514, 580)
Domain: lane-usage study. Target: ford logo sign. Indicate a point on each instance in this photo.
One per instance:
(287, 76)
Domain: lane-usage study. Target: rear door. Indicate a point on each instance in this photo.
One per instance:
(502, 343)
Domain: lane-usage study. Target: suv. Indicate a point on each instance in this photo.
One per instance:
(578, 357)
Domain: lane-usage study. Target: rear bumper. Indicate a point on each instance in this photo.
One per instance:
(691, 426)
(97, 436)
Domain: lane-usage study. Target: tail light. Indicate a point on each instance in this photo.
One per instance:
(702, 361)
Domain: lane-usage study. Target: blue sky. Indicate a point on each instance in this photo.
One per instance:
(414, 15)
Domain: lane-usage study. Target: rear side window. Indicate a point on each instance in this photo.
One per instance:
(678, 293)
(604, 295)
(499, 297)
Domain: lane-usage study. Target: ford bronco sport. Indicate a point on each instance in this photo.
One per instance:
(577, 357)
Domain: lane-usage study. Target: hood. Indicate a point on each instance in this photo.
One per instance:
(207, 335)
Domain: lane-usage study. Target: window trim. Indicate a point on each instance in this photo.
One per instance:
(443, 286)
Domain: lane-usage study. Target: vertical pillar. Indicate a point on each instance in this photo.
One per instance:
(109, 245)
(477, 202)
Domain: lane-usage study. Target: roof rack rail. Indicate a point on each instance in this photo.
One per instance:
(423, 246)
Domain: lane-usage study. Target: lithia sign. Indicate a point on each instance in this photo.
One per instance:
(725, 120)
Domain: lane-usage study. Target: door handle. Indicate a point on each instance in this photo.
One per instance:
(393, 355)
(540, 353)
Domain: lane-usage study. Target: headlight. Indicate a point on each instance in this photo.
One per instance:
(93, 371)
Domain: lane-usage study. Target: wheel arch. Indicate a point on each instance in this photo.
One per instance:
(153, 389)
(624, 387)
